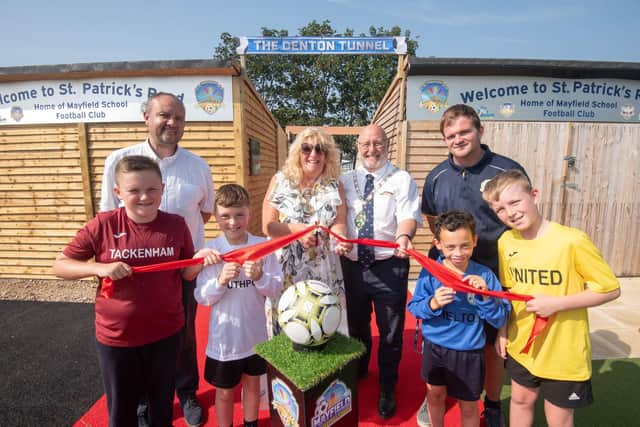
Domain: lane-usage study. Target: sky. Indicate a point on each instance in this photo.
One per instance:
(39, 32)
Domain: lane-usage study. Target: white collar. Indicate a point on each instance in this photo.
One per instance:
(166, 160)
(377, 174)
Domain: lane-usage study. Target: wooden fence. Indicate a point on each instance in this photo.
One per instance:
(587, 174)
(50, 181)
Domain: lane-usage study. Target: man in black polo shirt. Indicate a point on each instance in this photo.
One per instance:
(457, 183)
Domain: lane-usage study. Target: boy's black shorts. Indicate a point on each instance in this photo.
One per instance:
(228, 374)
(564, 394)
(462, 372)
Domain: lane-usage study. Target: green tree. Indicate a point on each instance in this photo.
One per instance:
(332, 90)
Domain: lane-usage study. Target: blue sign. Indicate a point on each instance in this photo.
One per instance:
(526, 98)
(114, 99)
(322, 45)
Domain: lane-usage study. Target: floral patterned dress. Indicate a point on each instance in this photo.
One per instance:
(313, 205)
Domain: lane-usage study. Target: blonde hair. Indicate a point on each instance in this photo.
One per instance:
(232, 196)
(493, 188)
(292, 167)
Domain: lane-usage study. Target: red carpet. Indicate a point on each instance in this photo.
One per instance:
(410, 389)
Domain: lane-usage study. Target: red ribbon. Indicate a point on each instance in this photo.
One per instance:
(248, 253)
(452, 280)
(260, 250)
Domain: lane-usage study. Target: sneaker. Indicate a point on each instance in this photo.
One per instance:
(422, 418)
(192, 412)
(493, 417)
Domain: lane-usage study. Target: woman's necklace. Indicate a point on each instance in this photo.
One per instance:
(307, 193)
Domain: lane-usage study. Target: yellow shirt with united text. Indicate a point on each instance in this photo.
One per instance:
(563, 261)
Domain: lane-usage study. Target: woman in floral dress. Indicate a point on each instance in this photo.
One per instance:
(308, 191)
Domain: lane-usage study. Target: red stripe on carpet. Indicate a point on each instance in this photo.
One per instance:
(410, 390)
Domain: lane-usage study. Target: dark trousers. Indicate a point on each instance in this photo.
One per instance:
(130, 372)
(383, 288)
(187, 363)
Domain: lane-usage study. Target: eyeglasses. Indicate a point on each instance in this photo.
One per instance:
(307, 148)
(367, 145)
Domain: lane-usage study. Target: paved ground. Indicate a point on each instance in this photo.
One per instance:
(49, 373)
(615, 327)
(48, 366)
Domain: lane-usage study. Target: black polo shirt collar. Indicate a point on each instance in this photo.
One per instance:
(484, 160)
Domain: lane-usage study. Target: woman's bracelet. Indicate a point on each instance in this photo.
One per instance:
(403, 234)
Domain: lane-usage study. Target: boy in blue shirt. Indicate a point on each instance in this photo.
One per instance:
(453, 324)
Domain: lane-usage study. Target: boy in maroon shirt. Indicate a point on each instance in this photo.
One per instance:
(137, 327)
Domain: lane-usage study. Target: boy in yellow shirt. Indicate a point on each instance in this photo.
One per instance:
(566, 274)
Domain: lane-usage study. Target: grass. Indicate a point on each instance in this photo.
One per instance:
(307, 368)
(615, 388)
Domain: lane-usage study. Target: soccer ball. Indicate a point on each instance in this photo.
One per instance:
(309, 313)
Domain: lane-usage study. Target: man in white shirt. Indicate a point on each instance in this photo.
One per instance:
(382, 204)
(189, 193)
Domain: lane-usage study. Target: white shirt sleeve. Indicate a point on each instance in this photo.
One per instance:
(407, 200)
(207, 291)
(208, 201)
(270, 284)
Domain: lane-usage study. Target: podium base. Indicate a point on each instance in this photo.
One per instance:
(312, 386)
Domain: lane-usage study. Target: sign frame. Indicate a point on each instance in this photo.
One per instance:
(301, 45)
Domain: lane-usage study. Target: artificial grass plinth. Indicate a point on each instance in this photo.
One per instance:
(307, 368)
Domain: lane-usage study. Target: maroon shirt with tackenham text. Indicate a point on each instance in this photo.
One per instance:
(145, 307)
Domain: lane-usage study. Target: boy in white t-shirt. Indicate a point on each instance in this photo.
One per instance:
(236, 294)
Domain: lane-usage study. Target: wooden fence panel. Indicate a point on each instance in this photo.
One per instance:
(41, 196)
(259, 126)
(540, 148)
(50, 182)
(597, 195)
(424, 150)
(602, 191)
(387, 116)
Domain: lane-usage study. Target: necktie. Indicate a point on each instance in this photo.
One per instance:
(366, 254)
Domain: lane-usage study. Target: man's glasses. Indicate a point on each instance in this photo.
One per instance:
(367, 145)
(307, 148)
